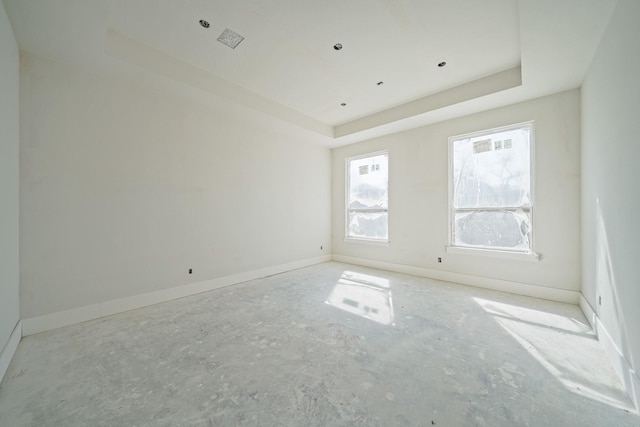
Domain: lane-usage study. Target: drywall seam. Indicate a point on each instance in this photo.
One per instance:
(10, 349)
(560, 295)
(59, 319)
(621, 366)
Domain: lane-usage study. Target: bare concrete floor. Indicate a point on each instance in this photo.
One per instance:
(329, 345)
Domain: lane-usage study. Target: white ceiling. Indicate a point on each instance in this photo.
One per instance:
(497, 52)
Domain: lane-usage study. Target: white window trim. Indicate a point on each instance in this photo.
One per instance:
(373, 242)
(530, 255)
(347, 183)
(494, 253)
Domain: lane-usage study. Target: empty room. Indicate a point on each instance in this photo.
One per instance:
(319, 213)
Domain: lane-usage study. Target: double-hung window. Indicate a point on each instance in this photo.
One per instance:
(367, 197)
(491, 189)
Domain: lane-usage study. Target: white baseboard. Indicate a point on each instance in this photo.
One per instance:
(553, 294)
(621, 366)
(59, 319)
(588, 311)
(10, 349)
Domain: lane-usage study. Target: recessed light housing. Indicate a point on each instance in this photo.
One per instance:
(205, 24)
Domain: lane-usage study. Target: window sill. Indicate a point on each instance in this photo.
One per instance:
(493, 253)
(366, 241)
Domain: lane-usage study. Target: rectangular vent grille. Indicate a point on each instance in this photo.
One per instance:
(230, 38)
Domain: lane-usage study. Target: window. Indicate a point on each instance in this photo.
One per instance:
(490, 189)
(367, 193)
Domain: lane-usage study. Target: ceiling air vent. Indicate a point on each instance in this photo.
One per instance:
(230, 38)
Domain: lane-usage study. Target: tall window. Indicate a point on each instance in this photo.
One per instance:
(490, 189)
(367, 193)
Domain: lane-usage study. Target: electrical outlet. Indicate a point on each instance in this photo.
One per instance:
(191, 271)
(439, 259)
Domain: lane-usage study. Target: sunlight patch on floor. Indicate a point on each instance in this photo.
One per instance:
(566, 347)
(363, 295)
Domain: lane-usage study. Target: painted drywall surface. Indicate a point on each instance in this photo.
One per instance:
(610, 191)
(9, 163)
(418, 195)
(123, 190)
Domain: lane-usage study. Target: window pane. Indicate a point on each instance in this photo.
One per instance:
(492, 170)
(368, 182)
(493, 229)
(368, 225)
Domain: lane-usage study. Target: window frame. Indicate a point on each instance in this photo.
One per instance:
(531, 254)
(347, 181)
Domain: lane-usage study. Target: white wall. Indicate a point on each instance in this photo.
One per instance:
(418, 196)
(124, 189)
(610, 190)
(9, 161)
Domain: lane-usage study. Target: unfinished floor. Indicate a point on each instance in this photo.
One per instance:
(329, 345)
